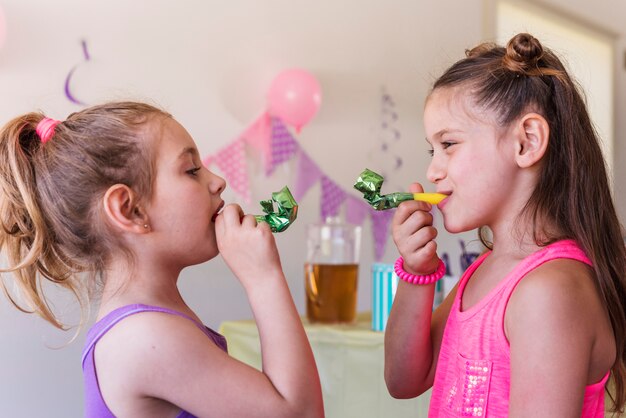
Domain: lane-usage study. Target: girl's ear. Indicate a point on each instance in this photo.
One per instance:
(532, 141)
(122, 211)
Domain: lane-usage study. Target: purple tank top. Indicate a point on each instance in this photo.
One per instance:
(95, 407)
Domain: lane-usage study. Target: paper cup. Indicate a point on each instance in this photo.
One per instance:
(384, 285)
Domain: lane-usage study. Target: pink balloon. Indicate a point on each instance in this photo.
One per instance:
(294, 97)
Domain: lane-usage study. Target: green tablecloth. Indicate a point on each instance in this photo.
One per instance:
(350, 363)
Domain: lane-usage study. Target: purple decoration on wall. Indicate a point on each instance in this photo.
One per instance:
(307, 174)
(356, 210)
(283, 146)
(332, 198)
(68, 92)
(446, 260)
(467, 258)
(380, 229)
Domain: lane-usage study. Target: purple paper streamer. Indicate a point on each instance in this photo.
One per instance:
(283, 146)
(332, 198)
(388, 134)
(68, 93)
(467, 258)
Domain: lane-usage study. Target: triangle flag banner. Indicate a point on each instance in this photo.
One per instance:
(356, 210)
(380, 229)
(232, 161)
(332, 198)
(208, 160)
(307, 174)
(258, 136)
(283, 146)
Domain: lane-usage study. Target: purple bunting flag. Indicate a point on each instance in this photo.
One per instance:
(380, 229)
(356, 210)
(307, 174)
(332, 198)
(283, 146)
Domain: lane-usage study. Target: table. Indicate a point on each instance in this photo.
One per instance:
(350, 361)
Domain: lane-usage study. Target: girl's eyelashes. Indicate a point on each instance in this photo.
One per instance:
(193, 171)
(444, 145)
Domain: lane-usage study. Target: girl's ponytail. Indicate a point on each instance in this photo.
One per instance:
(25, 238)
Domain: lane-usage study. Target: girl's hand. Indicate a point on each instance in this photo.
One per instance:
(248, 248)
(414, 235)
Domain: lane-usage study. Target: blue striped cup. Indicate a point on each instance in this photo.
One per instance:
(384, 285)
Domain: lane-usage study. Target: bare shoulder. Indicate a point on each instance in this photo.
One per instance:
(558, 292)
(557, 310)
(144, 351)
(560, 339)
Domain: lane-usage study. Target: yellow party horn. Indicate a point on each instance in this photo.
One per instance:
(370, 183)
(432, 198)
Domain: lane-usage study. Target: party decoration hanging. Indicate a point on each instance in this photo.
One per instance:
(68, 92)
(295, 97)
(232, 161)
(286, 210)
(385, 153)
(307, 174)
(333, 197)
(369, 183)
(269, 134)
(282, 146)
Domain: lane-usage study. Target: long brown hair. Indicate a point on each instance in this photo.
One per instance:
(52, 227)
(573, 190)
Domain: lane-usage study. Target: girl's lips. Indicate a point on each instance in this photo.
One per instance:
(217, 212)
(441, 204)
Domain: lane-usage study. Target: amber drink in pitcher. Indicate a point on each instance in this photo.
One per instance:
(331, 271)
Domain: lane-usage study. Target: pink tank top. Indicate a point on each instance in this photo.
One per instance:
(473, 371)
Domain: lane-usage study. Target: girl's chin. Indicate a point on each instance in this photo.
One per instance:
(455, 228)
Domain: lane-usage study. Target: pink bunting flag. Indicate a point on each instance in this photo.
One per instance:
(332, 198)
(258, 136)
(283, 146)
(232, 161)
(307, 174)
(380, 229)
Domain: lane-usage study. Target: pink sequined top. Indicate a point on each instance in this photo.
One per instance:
(473, 371)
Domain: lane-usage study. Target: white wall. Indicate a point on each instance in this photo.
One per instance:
(209, 63)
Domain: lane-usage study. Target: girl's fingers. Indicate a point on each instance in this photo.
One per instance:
(416, 188)
(249, 221)
(232, 214)
(420, 239)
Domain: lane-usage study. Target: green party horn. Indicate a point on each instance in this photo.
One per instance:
(286, 210)
(369, 183)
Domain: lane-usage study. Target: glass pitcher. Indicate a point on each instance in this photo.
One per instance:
(331, 271)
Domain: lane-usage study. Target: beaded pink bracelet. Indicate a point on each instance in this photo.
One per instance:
(419, 279)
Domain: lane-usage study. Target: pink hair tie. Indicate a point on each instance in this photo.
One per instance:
(45, 129)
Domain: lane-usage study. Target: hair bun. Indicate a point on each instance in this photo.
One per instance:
(522, 53)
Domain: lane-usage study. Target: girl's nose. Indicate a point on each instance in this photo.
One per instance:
(216, 184)
(436, 170)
